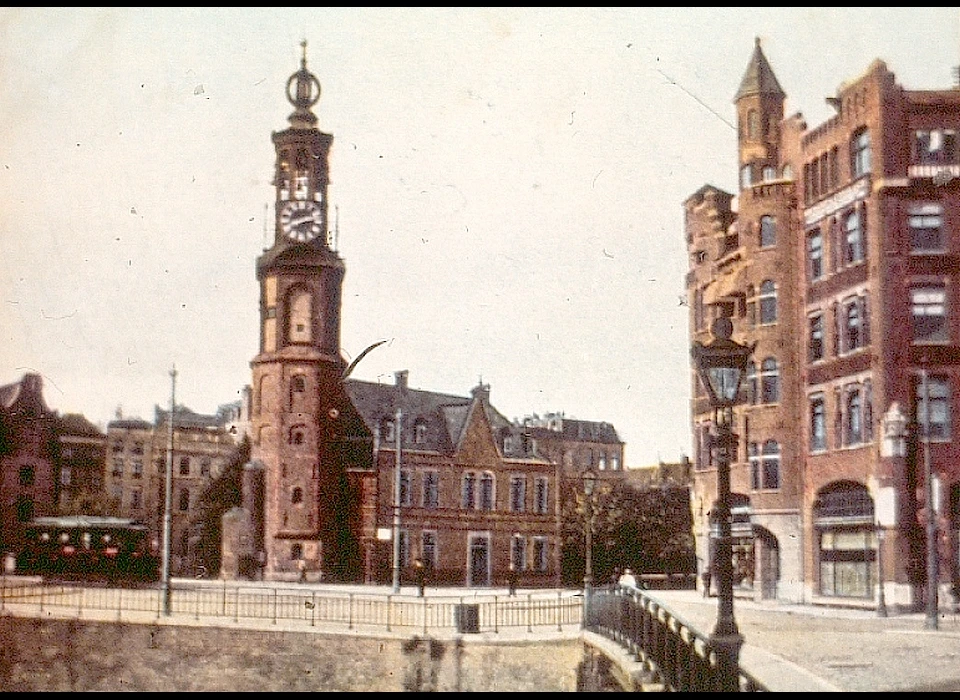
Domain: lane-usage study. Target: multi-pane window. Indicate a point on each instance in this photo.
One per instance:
(117, 470)
(816, 337)
(518, 552)
(387, 431)
(750, 385)
(768, 231)
(184, 466)
(938, 389)
(764, 465)
(860, 153)
(205, 466)
(428, 548)
(65, 475)
(296, 495)
(926, 228)
(745, 177)
(406, 497)
(769, 381)
(420, 432)
(753, 457)
(853, 237)
(26, 476)
(468, 490)
(770, 459)
(518, 493)
(818, 423)
(184, 499)
(404, 548)
(815, 254)
(853, 337)
(486, 491)
(935, 147)
(540, 502)
(540, 552)
(431, 484)
(136, 499)
(768, 302)
(854, 418)
(137, 469)
(929, 309)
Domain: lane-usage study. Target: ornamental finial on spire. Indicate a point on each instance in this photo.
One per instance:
(305, 95)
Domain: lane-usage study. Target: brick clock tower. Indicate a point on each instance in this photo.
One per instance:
(297, 393)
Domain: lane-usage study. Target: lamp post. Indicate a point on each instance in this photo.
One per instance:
(168, 494)
(589, 484)
(396, 503)
(721, 365)
(933, 573)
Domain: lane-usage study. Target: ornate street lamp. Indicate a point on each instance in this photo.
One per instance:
(721, 365)
(589, 485)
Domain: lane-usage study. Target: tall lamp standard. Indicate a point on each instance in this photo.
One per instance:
(721, 365)
(589, 485)
(933, 572)
(168, 495)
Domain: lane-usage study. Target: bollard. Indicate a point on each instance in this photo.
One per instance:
(529, 612)
(559, 612)
(350, 611)
(389, 598)
(274, 606)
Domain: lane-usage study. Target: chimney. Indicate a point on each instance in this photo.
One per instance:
(401, 379)
(481, 391)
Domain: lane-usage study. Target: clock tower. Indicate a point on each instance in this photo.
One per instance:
(297, 394)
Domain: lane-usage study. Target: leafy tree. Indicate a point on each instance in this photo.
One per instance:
(220, 495)
(649, 530)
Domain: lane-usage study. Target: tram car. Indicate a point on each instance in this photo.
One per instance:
(89, 548)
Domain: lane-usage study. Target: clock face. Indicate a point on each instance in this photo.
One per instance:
(300, 220)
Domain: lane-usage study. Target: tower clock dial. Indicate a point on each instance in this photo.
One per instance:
(301, 220)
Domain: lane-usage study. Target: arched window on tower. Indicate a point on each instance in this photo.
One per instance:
(298, 435)
(298, 318)
(296, 496)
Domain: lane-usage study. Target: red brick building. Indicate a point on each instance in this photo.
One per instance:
(475, 495)
(836, 258)
(28, 452)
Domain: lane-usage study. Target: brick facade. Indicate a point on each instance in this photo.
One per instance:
(835, 258)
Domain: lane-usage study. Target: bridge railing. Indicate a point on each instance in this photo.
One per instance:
(679, 656)
(304, 606)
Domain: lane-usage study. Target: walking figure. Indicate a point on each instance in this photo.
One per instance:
(421, 576)
(302, 568)
(512, 579)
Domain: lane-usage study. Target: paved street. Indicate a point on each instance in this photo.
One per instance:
(807, 648)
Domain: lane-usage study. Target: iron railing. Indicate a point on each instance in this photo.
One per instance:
(310, 607)
(677, 655)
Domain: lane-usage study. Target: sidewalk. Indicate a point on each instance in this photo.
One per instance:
(813, 648)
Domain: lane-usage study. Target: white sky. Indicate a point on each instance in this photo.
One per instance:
(509, 184)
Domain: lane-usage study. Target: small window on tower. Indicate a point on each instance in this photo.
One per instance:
(296, 495)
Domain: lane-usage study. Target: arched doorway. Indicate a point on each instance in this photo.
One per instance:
(768, 561)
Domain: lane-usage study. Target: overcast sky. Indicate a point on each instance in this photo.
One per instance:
(508, 184)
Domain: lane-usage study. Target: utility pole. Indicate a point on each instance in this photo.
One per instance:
(396, 505)
(933, 573)
(168, 493)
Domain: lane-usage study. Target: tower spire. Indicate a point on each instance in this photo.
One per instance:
(305, 95)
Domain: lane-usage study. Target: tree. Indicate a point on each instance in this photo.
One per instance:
(649, 530)
(221, 494)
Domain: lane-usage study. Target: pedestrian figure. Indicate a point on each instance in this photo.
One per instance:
(512, 579)
(421, 576)
(628, 580)
(302, 568)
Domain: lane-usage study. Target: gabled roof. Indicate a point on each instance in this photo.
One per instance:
(441, 414)
(759, 79)
(77, 424)
(580, 431)
(26, 394)
(444, 417)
